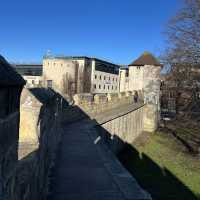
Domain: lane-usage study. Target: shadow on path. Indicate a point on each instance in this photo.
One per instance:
(80, 174)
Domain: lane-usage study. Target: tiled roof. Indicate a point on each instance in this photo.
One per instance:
(8, 76)
(146, 59)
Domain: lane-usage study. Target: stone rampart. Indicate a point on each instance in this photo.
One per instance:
(93, 105)
(8, 150)
(30, 178)
(123, 125)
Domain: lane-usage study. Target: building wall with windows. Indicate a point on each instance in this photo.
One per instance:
(60, 75)
(33, 81)
(32, 73)
(72, 75)
(105, 77)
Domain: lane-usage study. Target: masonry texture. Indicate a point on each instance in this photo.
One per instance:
(86, 169)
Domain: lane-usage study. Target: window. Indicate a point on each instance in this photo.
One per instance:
(33, 82)
(113, 79)
(116, 79)
(95, 76)
(49, 83)
(100, 77)
(112, 87)
(109, 78)
(108, 87)
(99, 86)
(95, 86)
(104, 77)
(104, 87)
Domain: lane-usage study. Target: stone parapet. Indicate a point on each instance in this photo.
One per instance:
(100, 98)
(122, 95)
(129, 93)
(83, 98)
(102, 102)
(112, 97)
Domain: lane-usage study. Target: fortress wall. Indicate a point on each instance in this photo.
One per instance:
(34, 170)
(127, 126)
(124, 128)
(93, 105)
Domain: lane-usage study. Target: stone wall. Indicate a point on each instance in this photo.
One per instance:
(31, 102)
(151, 117)
(28, 131)
(8, 149)
(30, 178)
(126, 127)
(119, 116)
(99, 103)
(62, 73)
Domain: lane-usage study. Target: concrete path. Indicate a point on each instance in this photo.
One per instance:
(87, 170)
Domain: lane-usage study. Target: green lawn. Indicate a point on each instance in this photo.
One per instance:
(161, 166)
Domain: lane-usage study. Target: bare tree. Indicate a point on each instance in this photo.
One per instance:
(182, 54)
(183, 33)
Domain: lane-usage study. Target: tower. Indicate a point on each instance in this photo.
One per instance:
(144, 74)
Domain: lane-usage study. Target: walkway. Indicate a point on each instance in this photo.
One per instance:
(87, 170)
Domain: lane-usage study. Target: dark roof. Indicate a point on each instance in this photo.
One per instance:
(8, 76)
(81, 57)
(26, 65)
(145, 59)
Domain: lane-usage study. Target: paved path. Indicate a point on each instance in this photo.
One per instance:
(88, 171)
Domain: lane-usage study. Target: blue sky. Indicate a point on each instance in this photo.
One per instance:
(115, 30)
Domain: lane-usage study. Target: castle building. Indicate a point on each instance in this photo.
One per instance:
(81, 74)
(71, 75)
(142, 74)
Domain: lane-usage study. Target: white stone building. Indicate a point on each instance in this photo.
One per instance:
(142, 74)
(71, 75)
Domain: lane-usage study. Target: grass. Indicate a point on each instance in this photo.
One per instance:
(163, 167)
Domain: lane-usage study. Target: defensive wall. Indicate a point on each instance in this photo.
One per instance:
(119, 115)
(30, 177)
(116, 113)
(44, 113)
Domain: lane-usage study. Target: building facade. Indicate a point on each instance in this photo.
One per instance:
(72, 75)
(75, 75)
(142, 74)
(32, 74)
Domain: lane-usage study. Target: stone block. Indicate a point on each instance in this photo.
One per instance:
(83, 98)
(128, 93)
(141, 94)
(150, 118)
(112, 97)
(122, 95)
(100, 98)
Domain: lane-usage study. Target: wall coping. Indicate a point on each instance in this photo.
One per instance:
(108, 116)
